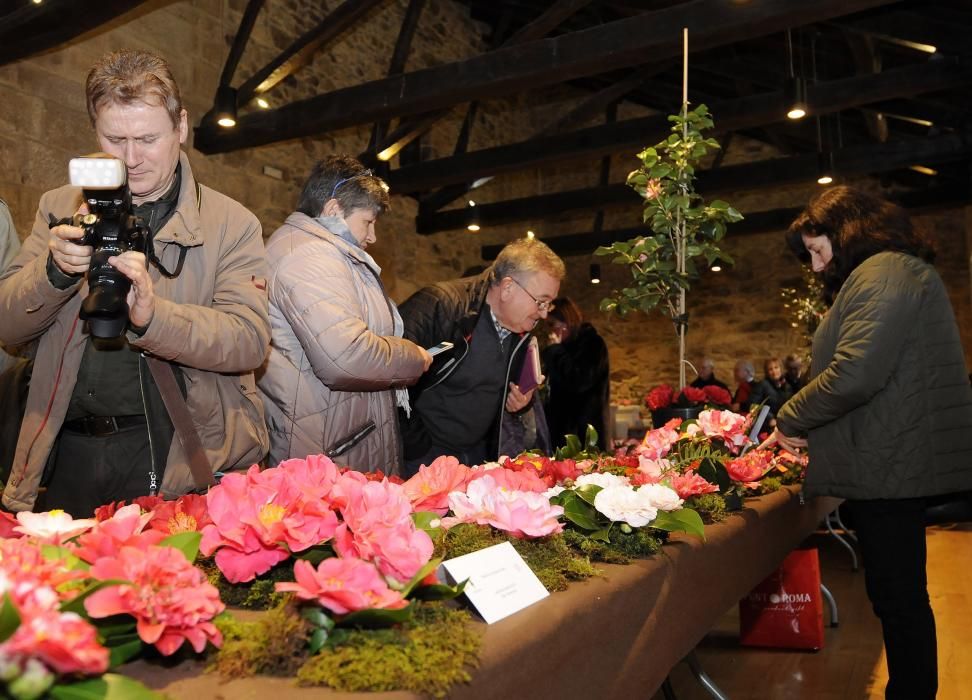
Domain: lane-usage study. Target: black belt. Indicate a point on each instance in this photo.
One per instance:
(99, 426)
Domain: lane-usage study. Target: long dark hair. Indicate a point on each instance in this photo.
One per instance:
(858, 226)
(568, 313)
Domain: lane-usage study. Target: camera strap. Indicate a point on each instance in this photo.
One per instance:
(175, 404)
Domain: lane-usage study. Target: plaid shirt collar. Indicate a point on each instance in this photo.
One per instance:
(502, 332)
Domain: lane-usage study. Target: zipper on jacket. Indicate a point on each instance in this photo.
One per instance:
(506, 384)
(153, 474)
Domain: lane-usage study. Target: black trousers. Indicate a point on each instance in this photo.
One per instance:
(892, 538)
(87, 471)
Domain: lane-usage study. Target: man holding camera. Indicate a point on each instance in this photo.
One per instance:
(97, 428)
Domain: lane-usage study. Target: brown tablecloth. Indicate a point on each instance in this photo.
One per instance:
(615, 636)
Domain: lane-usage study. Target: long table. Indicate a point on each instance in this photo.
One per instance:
(614, 636)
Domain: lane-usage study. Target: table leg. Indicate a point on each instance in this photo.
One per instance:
(702, 677)
(845, 543)
(667, 690)
(832, 604)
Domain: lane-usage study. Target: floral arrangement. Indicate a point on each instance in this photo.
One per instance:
(81, 597)
(664, 396)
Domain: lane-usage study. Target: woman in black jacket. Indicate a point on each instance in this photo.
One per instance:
(576, 367)
(887, 410)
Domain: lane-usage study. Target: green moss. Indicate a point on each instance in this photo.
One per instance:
(275, 645)
(770, 484)
(428, 655)
(551, 559)
(711, 506)
(257, 594)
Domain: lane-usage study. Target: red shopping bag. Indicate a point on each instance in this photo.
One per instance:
(785, 611)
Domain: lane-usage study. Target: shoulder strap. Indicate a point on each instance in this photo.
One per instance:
(175, 404)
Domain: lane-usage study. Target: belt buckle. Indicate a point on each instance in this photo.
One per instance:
(103, 425)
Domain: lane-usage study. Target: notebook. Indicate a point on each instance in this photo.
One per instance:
(530, 375)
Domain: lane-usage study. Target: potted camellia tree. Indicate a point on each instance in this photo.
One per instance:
(683, 232)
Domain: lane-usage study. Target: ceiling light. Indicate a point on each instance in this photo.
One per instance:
(224, 108)
(595, 273)
(531, 235)
(472, 203)
(262, 103)
(473, 219)
(716, 266)
(825, 167)
(472, 227)
(923, 170)
(386, 155)
(795, 93)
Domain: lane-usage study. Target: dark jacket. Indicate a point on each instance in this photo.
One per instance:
(772, 394)
(449, 311)
(579, 386)
(888, 409)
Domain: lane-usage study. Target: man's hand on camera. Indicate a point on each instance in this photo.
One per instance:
(141, 297)
(69, 257)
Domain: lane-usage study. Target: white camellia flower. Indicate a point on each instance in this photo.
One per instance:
(661, 497)
(603, 480)
(54, 526)
(623, 504)
(554, 491)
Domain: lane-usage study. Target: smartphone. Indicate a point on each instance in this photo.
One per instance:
(441, 347)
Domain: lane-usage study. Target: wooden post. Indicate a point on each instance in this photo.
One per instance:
(682, 236)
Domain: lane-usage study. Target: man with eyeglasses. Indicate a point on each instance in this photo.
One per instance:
(458, 404)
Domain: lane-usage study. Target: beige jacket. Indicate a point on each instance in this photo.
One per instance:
(334, 358)
(211, 320)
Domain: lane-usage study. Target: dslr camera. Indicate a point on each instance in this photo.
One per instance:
(110, 228)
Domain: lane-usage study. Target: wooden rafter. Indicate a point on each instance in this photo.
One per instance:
(732, 115)
(623, 43)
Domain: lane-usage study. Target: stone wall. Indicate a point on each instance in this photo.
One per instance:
(737, 313)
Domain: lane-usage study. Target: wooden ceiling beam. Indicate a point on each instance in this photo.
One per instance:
(746, 177)
(920, 201)
(731, 115)
(635, 41)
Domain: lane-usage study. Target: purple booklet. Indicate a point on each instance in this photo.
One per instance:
(530, 375)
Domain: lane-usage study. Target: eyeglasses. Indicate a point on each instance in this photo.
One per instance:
(366, 173)
(544, 306)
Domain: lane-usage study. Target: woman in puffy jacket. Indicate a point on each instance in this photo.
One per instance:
(338, 366)
(887, 411)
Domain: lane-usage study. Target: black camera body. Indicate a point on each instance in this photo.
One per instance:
(111, 229)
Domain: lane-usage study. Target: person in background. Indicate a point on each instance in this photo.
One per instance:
(707, 376)
(773, 390)
(95, 427)
(793, 365)
(338, 362)
(457, 406)
(9, 246)
(744, 373)
(887, 411)
(578, 379)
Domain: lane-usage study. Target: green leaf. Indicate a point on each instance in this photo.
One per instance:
(423, 521)
(439, 591)
(590, 438)
(578, 512)
(602, 535)
(429, 567)
(685, 520)
(317, 640)
(185, 542)
(110, 686)
(317, 617)
(316, 554)
(9, 618)
(713, 471)
(120, 653)
(376, 618)
(588, 492)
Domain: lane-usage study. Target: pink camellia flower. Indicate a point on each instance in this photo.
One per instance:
(342, 585)
(52, 527)
(691, 484)
(188, 513)
(8, 525)
(260, 518)
(429, 489)
(63, 642)
(170, 599)
(652, 469)
(22, 561)
(513, 480)
(750, 467)
(727, 426)
(522, 514)
(658, 442)
(126, 528)
(146, 503)
(378, 527)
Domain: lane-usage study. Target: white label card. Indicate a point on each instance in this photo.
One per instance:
(500, 582)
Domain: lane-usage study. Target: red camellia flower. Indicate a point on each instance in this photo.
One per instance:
(551, 472)
(693, 396)
(660, 397)
(717, 395)
(750, 467)
(188, 513)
